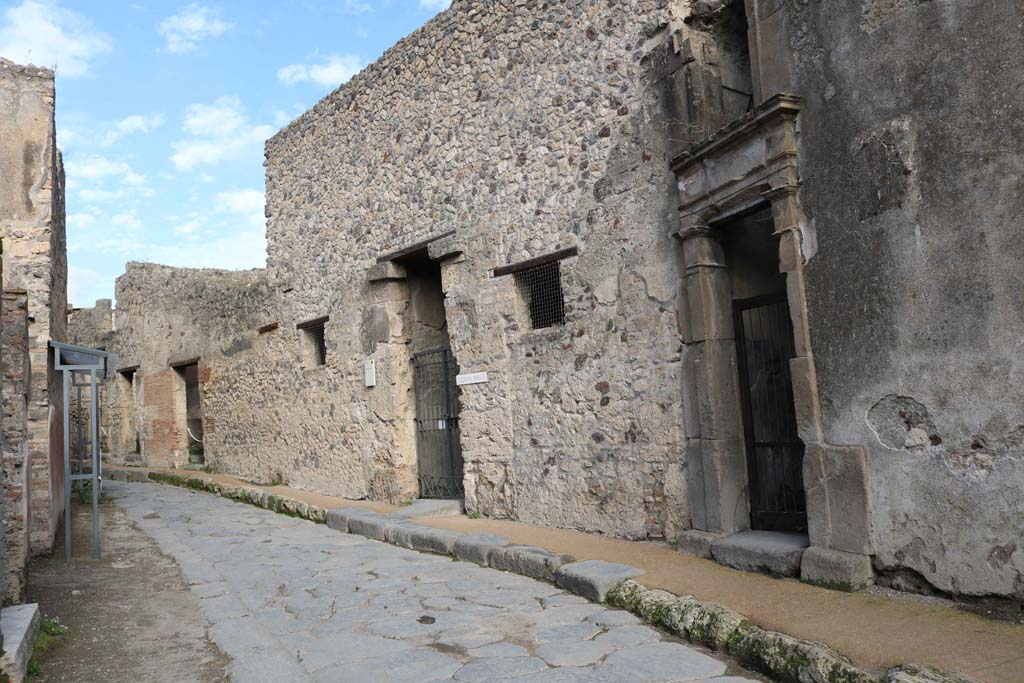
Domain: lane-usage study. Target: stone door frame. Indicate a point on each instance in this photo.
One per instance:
(389, 297)
(747, 166)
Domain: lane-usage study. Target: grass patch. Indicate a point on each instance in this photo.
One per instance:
(52, 634)
(83, 494)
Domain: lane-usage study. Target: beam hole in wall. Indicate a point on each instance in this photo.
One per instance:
(313, 342)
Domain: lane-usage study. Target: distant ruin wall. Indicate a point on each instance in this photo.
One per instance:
(165, 316)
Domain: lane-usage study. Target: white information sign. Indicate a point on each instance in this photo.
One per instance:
(471, 378)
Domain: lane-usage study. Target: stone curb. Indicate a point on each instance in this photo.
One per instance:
(782, 657)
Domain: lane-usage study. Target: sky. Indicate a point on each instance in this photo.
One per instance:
(163, 108)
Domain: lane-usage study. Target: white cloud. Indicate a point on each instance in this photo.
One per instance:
(80, 220)
(43, 33)
(126, 220)
(137, 123)
(435, 5)
(98, 180)
(220, 131)
(83, 284)
(183, 31)
(247, 204)
(331, 73)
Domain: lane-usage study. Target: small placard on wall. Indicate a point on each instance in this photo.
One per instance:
(370, 373)
(471, 378)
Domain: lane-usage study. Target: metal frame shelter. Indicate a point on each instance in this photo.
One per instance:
(82, 367)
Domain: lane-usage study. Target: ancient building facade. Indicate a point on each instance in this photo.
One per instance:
(693, 267)
(35, 262)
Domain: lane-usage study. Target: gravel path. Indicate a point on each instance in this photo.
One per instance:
(289, 600)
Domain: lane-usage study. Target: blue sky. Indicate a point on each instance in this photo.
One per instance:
(163, 107)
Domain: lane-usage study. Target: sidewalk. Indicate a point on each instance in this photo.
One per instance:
(871, 631)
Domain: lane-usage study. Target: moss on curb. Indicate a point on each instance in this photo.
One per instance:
(782, 657)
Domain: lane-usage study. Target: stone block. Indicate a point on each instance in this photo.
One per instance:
(716, 390)
(768, 552)
(20, 626)
(836, 569)
(478, 548)
(423, 538)
(528, 560)
(805, 399)
(371, 525)
(696, 542)
(838, 502)
(593, 578)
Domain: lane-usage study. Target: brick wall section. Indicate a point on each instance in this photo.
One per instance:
(14, 386)
(164, 438)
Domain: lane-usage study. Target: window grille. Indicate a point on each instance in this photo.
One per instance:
(315, 342)
(541, 289)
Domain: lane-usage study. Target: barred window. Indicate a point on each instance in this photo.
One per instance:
(541, 290)
(314, 345)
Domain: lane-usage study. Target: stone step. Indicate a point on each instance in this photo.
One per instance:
(769, 552)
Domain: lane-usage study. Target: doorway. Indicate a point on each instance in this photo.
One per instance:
(764, 347)
(189, 375)
(436, 397)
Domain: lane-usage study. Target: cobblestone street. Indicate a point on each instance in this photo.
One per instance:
(289, 600)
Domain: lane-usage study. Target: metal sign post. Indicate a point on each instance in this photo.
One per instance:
(82, 367)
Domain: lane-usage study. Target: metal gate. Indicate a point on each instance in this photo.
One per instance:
(437, 424)
(764, 347)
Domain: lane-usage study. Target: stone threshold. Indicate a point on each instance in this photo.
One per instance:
(784, 658)
(20, 626)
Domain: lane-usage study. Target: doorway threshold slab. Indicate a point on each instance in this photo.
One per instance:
(430, 507)
(768, 552)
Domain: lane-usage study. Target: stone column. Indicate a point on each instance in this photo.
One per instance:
(716, 463)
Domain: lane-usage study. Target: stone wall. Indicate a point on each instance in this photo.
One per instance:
(909, 160)
(525, 128)
(14, 389)
(93, 326)
(35, 259)
(166, 316)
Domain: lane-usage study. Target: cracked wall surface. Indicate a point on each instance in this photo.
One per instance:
(909, 158)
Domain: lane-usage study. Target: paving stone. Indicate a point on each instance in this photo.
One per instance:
(668, 662)
(626, 636)
(573, 652)
(420, 664)
(567, 632)
(486, 670)
(500, 650)
(594, 578)
(609, 618)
